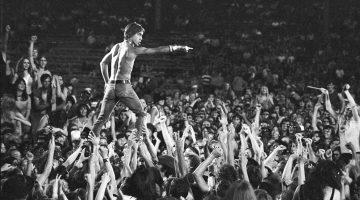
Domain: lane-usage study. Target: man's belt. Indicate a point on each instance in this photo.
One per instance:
(120, 81)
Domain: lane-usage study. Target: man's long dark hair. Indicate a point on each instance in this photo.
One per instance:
(326, 173)
(142, 182)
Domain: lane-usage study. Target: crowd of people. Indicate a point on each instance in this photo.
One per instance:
(263, 136)
(245, 125)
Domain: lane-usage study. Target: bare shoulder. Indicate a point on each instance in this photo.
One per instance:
(137, 50)
(115, 49)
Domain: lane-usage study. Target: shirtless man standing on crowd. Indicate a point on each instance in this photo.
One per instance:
(118, 87)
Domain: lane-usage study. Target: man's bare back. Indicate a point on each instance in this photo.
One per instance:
(122, 61)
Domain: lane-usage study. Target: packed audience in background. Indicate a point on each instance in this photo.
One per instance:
(260, 137)
(244, 125)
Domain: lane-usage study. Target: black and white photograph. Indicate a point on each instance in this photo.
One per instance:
(180, 99)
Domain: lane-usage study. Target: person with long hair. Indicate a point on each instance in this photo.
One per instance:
(24, 71)
(83, 118)
(240, 190)
(22, 99)
(41, 70)
(11, 115)
(265, 98)
(144, 183)
(324, 183)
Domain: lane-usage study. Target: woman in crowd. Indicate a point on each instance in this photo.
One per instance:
(25, 72)
(265, 98)
(23, 100)
(83, 118)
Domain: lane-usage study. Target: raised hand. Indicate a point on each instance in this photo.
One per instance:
(298, 136)
(7, 167)
(57, 178)
(94, 139)
(258, 107)
(33, 38)
(217, 152)
(308, 142)
(322, 153)
(7, 28)
(82, 156)
(324, 91)
(231, 129)
(328, 154)
(177, 138)
(61, 192)
(56, 186)
(299, 150)
(281, 147)
(111, 148)
(29, 156)
(245, 129)
(346, 87)
(81, 159)
(223, 120)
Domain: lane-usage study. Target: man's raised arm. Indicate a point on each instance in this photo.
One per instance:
(161, 49)
(5, 42)
(351, 102)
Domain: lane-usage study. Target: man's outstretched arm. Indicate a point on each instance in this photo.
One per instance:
(161, 49)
